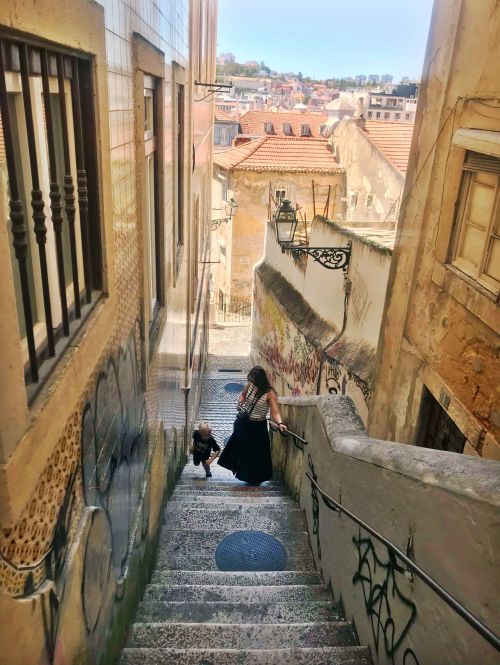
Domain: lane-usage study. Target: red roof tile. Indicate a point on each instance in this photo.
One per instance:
(252, 122)
(393, 139)
(222, 116)
(280, 153)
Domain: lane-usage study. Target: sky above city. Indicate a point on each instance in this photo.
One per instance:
(327, 38)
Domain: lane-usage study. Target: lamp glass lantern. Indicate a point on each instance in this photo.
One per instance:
(230, 208)
(285, 220)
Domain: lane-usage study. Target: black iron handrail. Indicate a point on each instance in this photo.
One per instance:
(298, 441)
(450, 600)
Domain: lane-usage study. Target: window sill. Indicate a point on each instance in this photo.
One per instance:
(465, 290)
(63, 344)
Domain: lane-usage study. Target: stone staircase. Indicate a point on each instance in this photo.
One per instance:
(194, 614)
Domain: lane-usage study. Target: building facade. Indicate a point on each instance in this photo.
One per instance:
(375, 157)
(316, 329)
(258, 174)
(105, 181)
(437, 372)
(399, 105)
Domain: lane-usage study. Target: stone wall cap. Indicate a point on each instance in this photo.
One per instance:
(473, 477)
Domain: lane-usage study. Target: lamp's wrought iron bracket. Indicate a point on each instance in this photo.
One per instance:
(214, 88)
(217, 222)
(333, 258)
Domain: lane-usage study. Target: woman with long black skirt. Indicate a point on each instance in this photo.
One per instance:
(248, 452)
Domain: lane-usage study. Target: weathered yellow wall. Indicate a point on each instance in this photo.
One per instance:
(251, 191)
(80, 505)
(440, 330)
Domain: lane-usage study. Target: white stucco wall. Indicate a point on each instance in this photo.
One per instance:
(368, 172)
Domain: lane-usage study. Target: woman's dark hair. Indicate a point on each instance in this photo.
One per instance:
(258, 376)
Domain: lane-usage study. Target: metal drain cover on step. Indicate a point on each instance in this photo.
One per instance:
(250, 550)
(233, 387)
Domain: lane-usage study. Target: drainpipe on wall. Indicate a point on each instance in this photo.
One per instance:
(347, 293)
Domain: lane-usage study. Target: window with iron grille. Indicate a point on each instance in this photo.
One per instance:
(152, 195)
(476, 242)
(47, 149)
(280, 194)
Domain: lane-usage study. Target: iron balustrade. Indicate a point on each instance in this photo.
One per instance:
(65, 137)
(233, 308)
(298, 441)
(490, 636)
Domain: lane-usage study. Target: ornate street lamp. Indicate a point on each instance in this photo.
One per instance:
(230, 208)
(285, 220)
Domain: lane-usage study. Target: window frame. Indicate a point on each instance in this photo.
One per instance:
(73, 138)
(151, 193)
(460, 226)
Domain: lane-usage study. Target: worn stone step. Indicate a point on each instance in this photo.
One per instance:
(242, 636)
(203, 562)
(220, 577)
(210, 499)
(237, 612)
(205, 542)
(226, 483)
(298, 656)
(235, 518)
(236, 594)
(210, 487)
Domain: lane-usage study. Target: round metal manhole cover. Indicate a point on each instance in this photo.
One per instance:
(233, 387)
(250, 551)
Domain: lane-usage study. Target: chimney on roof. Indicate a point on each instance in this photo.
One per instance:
(361, 122)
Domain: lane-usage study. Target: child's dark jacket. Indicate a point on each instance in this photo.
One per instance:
(203, 449)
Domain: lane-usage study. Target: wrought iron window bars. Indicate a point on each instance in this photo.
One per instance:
(72, 241)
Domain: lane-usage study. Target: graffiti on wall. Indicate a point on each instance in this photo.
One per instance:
(100, 462)
(298, 359)
(390, 611)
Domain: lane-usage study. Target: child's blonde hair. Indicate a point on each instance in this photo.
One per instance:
(205, 426)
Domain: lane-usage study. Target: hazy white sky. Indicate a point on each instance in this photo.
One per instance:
(324, 38)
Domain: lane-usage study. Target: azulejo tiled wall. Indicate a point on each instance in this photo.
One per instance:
(82, 546)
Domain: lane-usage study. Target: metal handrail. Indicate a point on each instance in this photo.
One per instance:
(284, 434)
(450, 600)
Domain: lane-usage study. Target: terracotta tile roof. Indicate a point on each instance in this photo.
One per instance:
(393, 139)
(280, 153)
(222, 116)
(252, 122)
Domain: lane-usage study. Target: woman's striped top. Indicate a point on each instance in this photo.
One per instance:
(259, 411)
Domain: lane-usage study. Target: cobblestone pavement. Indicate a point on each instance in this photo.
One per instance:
(227, 365)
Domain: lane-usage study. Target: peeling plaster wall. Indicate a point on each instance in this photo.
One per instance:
(251, 192)
(418, 498)
(299, 310)
(440, 329)
(368, 171)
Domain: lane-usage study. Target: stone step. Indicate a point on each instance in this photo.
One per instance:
(298, 656)
(213, 487)
(244, 578)
(206, 542)
(236, 594)
(167, 561)
(210, 499)
(240, 612)
(227, 483)
(242, 636)
(235, 518)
